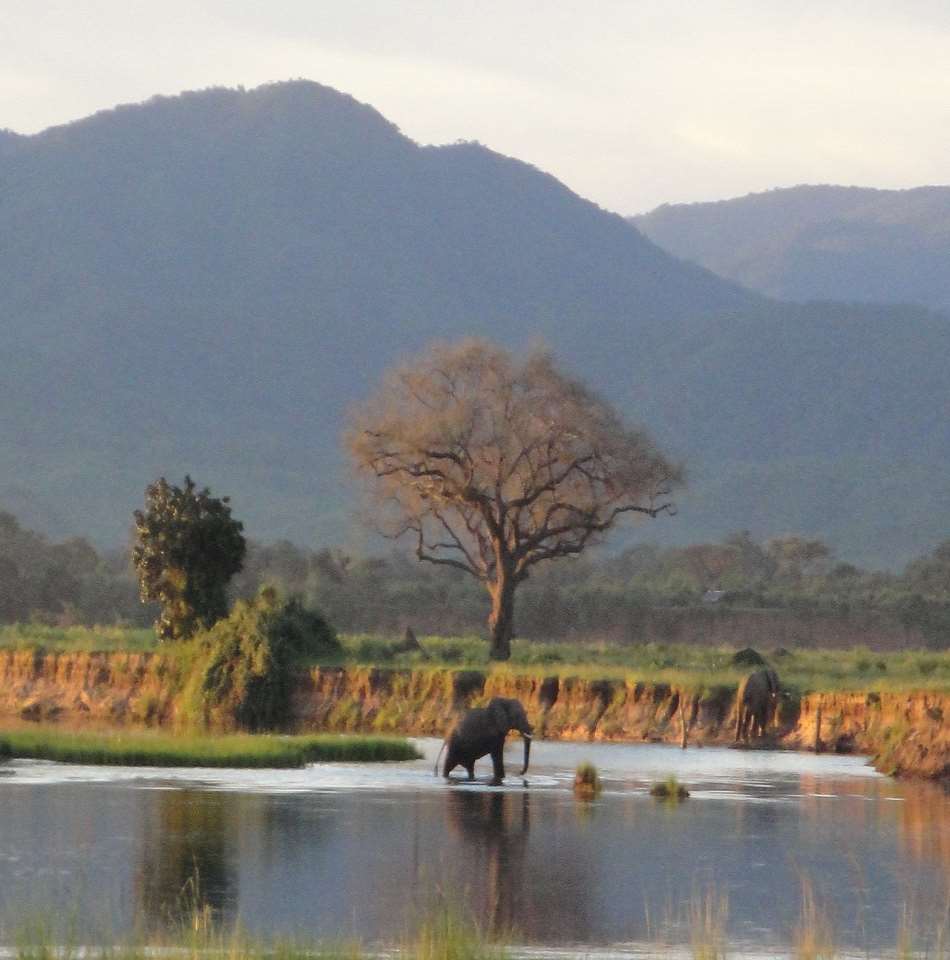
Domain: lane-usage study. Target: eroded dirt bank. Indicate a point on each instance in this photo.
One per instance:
(905, 732)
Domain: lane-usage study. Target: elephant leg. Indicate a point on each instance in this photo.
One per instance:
(451, 762)
(498, 764)
(471, 770)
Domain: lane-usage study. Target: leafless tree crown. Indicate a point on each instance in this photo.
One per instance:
(492, 462)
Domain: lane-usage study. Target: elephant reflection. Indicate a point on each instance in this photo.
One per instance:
(494, 827)
(756, 704)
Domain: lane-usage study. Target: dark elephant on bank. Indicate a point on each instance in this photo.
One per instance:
(481, 732)
(756, 704)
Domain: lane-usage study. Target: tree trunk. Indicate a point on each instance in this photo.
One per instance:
(501, 620)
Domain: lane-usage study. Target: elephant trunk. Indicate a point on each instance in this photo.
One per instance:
(527, 751)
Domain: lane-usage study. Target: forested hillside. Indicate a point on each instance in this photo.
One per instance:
(204, 283)
(819, 242)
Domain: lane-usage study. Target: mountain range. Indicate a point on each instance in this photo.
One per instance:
(205, 283)
(819, 242)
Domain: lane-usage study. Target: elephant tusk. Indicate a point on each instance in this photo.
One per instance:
(527, 736)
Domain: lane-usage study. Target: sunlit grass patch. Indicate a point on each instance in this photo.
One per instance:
(691, 667)
(231, 750)
(28, 636)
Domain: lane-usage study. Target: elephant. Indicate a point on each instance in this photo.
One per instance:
(756, 704)
(482, 731)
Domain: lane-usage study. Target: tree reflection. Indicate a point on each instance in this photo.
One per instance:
(186, 864)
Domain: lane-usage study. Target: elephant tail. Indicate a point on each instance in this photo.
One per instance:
(435, 769)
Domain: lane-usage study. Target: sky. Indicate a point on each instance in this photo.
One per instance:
(631, 104)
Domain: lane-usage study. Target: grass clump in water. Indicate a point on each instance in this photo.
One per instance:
(669, 789)
(587, 781)
(232, 750)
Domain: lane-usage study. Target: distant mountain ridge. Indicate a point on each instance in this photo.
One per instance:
(819, 242)
(204, 283)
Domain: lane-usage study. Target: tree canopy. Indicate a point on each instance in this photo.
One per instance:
(186, 551)
(493, 464)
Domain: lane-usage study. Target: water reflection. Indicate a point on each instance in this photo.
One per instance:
(493, 828)
(186, 857)
(339, 852)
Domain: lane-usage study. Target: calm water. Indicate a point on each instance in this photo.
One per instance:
(355, 850)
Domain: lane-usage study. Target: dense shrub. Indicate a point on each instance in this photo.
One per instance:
(244, 671)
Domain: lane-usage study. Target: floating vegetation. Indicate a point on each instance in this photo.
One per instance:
(587, 781)
(669, 789)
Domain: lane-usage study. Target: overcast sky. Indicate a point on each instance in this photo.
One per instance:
(631, 104)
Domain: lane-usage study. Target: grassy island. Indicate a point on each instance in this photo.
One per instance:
(154, 749)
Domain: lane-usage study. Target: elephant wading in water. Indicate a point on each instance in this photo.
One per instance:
(481, 732)
(756, 704)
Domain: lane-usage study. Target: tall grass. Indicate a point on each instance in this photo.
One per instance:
(156, 749)
(446, 935)
(191, 932)
(194, 935)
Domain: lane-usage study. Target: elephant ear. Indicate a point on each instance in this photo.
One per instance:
(499, 713)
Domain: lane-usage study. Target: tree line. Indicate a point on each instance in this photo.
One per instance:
(602, 595)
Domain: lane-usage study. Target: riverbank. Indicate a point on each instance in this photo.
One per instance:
(903, 729)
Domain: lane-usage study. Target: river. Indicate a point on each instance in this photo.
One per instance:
(362, 851)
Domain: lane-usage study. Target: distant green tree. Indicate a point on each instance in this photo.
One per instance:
(186, 551)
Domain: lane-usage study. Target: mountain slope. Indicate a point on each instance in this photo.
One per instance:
(204, 283)
(819, 242)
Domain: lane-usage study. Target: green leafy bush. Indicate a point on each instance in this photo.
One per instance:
(243, 674)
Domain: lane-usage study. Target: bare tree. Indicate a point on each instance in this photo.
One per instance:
(494, 464)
